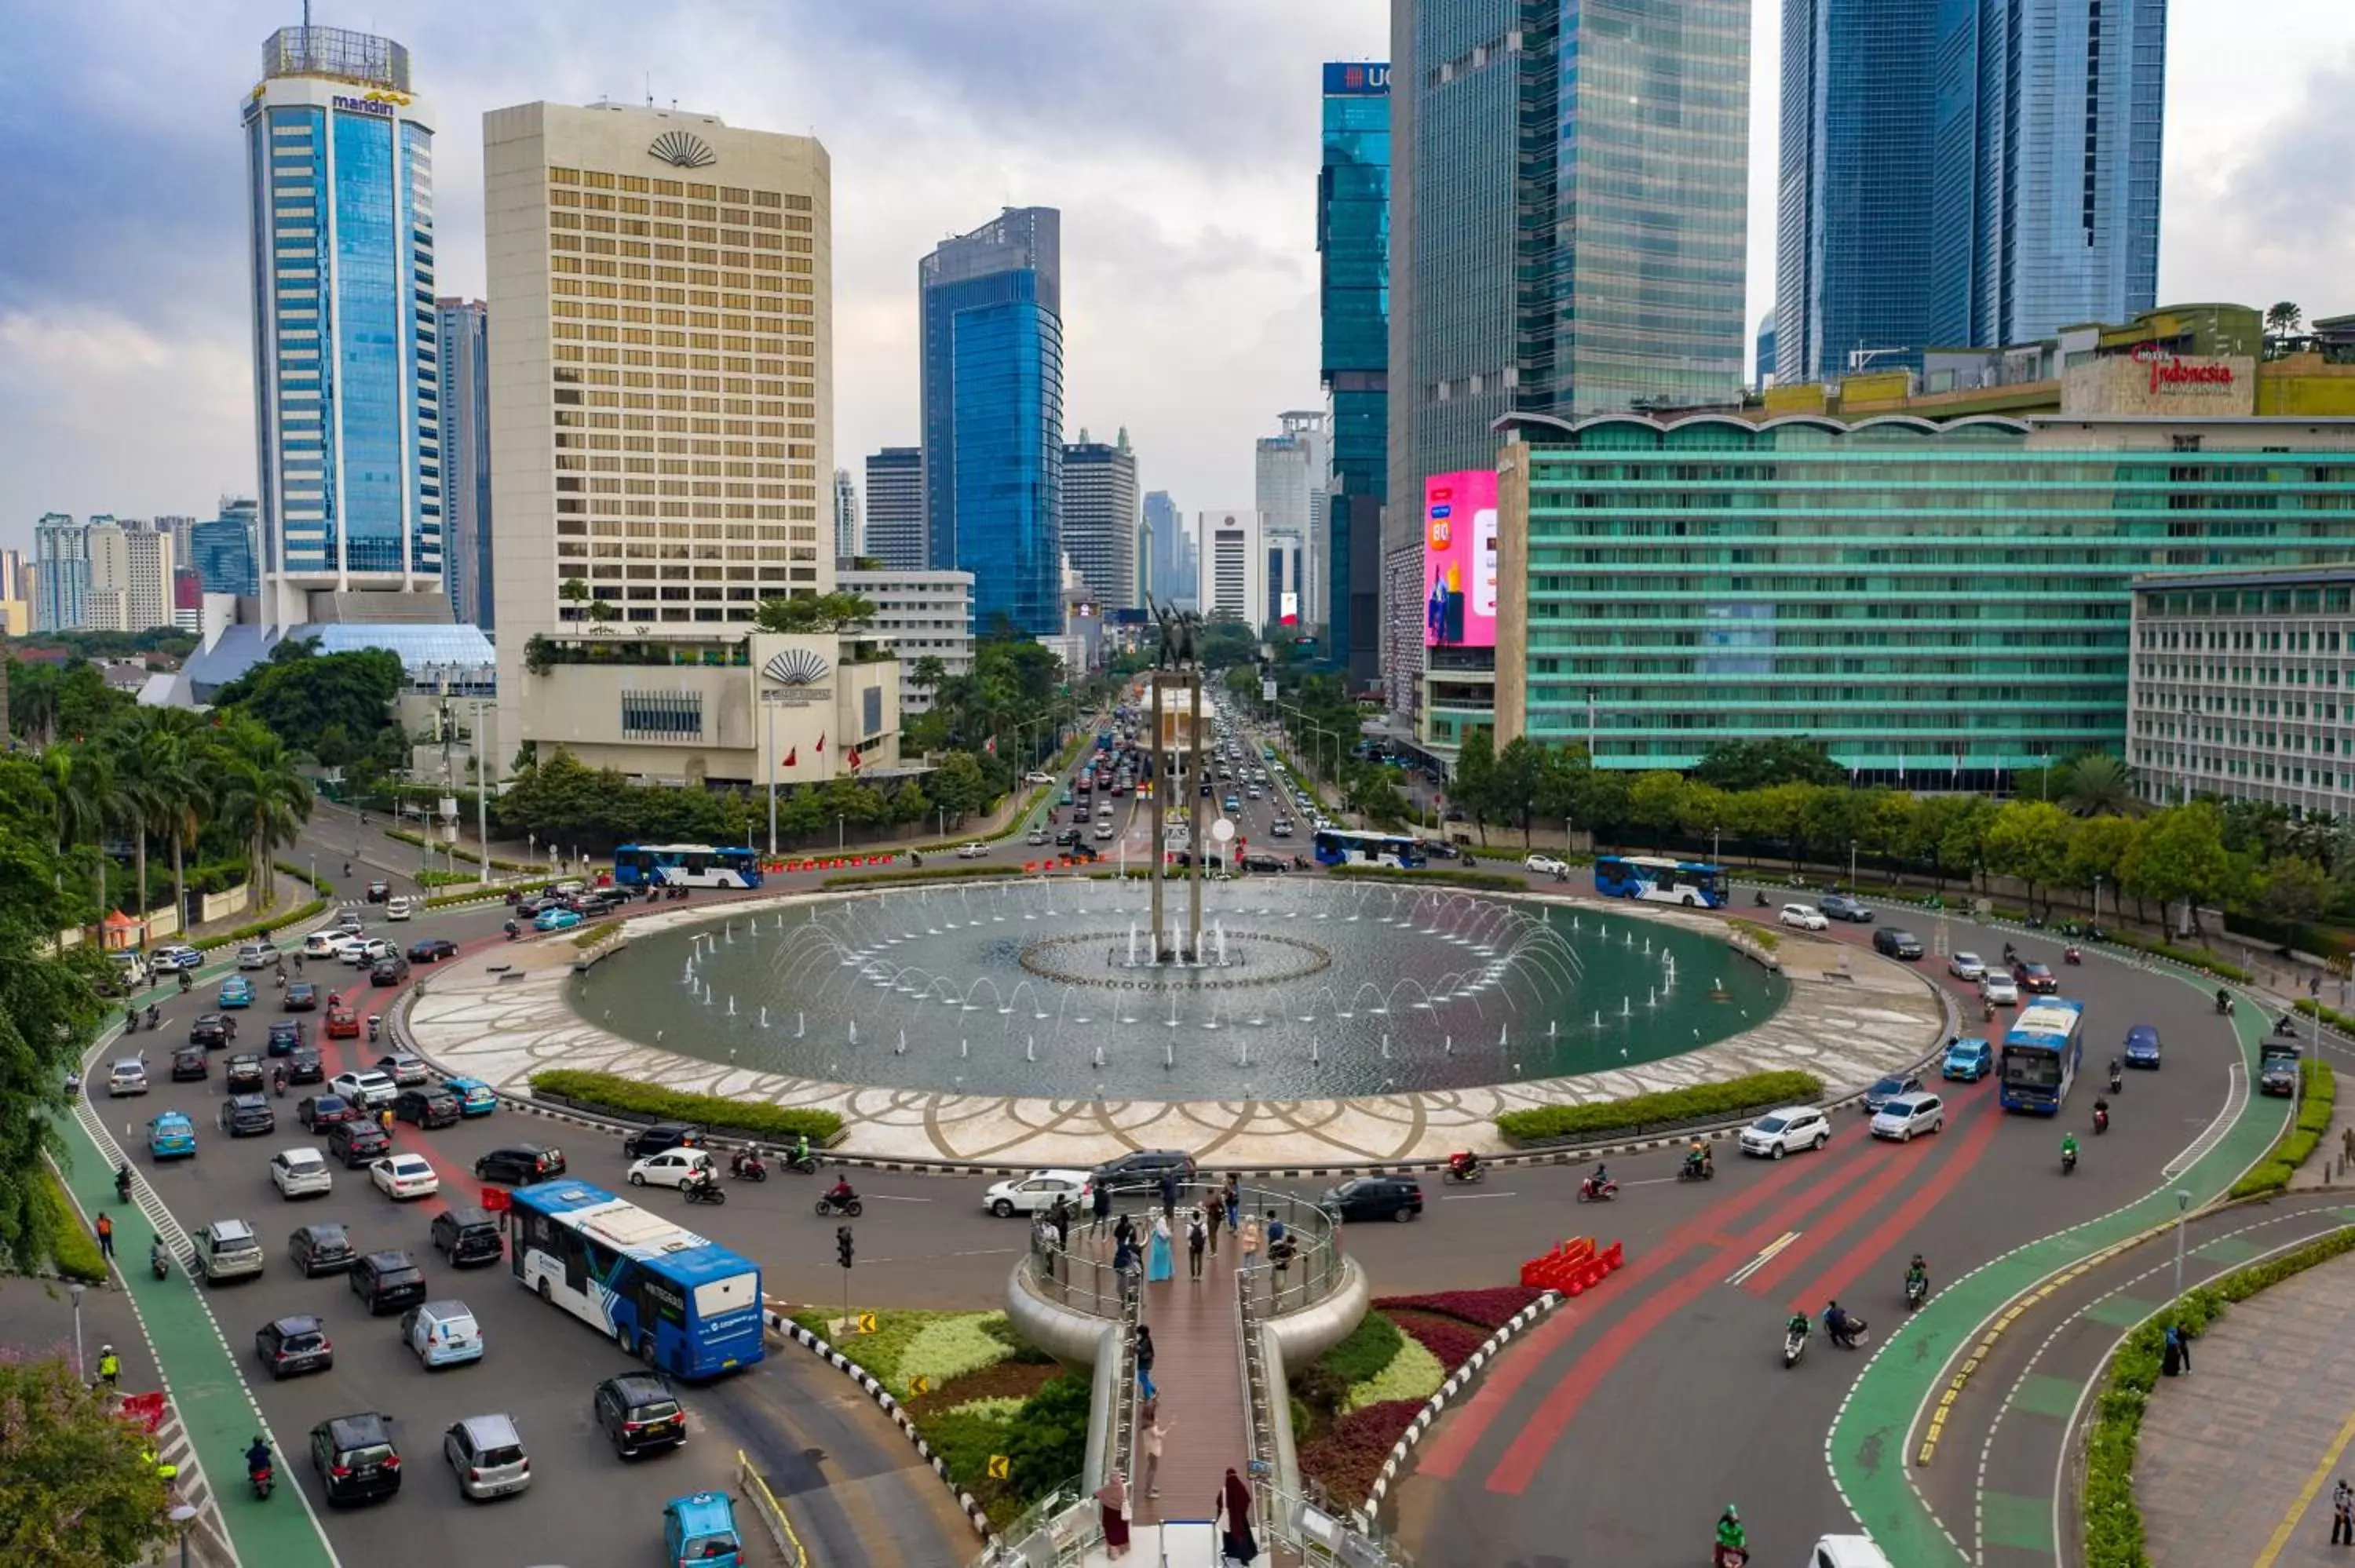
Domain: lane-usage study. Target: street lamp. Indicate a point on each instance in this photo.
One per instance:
(184, 1515)
(1713, 849)
(837, 832)
(1851, 868)
(2182, 1205)
(74, 1292)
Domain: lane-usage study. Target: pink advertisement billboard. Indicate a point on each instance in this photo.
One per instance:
(1459, 560)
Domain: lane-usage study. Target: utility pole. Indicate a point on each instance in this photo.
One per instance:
(485, 761)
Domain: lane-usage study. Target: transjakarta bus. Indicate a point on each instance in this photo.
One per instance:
(1689, 883)
(2041, 1055)
(1347, 846)
(678, 1302)
(694, 865)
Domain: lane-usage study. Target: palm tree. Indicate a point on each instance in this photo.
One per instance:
(260, 789)
(2099, 785)
(130, 806)
(33, 701)
(2282, 318)
(176, 769)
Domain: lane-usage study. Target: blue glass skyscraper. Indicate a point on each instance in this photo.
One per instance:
(462, 347)
(992, 332)
(222, 550)
(1353, 244)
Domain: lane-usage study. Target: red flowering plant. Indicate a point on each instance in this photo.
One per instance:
(1490, 1309)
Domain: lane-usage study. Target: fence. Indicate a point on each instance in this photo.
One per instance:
(1074, 1277)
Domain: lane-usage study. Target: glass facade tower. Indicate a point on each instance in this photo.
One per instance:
(991, 333)
(463, 328)
(347, 370)
(1353, 247)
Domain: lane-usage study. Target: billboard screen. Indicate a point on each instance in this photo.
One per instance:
(1354, 78)
(1459, 560)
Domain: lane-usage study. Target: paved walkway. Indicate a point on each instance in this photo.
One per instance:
(1197, 1372)
(2238, 1460)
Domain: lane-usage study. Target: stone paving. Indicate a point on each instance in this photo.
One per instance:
(2238, 1460)
(504, 1014)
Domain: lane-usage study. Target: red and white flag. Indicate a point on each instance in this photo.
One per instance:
(821, 743)
(792, 756)
(854, 759)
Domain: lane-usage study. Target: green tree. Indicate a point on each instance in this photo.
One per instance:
(327, 706)
(1655, 801)
(927, 673)
(1519, 768)
(33, 698)
(1476, 779)
(2098, 849)
(260, 787)
(2293, 890)
(81, 1491)
(959, 786)
(808, 613)
(2099, 785)
(2029, 840)
(1963, 835)
(908, 804)
(2282, 318)
(1756, 764)
(2181, 856)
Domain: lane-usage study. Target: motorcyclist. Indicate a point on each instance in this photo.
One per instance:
(745, 1159)
(801, 1148)
(1464, 1163)
(1798, 1324)
(1697, 1157)
(2010, 952)
(129, 1019)
(122, 1181)
(841, 1192)
(2101, 1111)
(2224, 1000)
(1918, 1272)
(157, 1259)
(257, 1458)
(1732, 1541)
(2068, 1148)
(187, 983)
(1601, 1177)
(704, 1179)
(278, 1081)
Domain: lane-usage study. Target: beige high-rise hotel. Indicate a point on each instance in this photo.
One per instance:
(662, 442)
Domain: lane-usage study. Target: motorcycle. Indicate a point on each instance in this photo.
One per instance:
(2223, 1005)
(2101, 1121)
(73, 1085)
(513, 930)
(278, 1083)
(1760, 900)
(160, 1263)
(2286, 1025)
(2068, 1163)
(129, 1021)
(804, 1166)
(850, 1206)
(680, 891)
(1590, 1192)
(704, 1192)
(2118, 1080)
(376, 1026)
(122, 1183)
(915, 859)
(2072, 955)
(260, 1480)
(187, 983)
(1795, 1345)
(748, 1168)
(1697, 1170)
(1464, 1175)
(1729, 1557)
(154, 1018)
(1917, 1290)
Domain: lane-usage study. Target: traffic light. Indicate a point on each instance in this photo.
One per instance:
(843, 1248)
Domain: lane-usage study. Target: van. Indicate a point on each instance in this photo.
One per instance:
(441, 1334)
(1847, 1552)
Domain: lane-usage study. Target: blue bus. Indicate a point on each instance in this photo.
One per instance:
(1347, 846)
(1661, 881)
(678, 1302)
(695, 865)
(2041, 1055)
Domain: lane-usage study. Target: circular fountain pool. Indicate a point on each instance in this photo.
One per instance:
(1305, 988)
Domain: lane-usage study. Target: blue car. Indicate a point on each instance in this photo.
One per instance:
(237, 991)
(2142, 1047)
(171, 1136)
(475, 1096)
(1969, 1060)
(699, 1532)
(556, 919)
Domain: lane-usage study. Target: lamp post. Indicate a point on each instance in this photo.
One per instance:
(74, 1292)
(315, 874)
(2182, 1205)
(184, 1515)
(1851, 868)
(1712, 848)
(838, 842)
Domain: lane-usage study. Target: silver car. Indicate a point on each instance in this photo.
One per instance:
(485, 1453)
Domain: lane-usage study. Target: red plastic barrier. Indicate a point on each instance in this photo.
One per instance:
(146, 1409)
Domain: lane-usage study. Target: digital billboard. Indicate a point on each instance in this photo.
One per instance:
(1459, 560)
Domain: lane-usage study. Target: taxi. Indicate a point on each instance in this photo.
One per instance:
(475, 1096)
(236, 991)
(171, 1136)
(699, 1532)
(343, 1023)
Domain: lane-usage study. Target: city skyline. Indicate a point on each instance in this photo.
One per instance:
(126, 318)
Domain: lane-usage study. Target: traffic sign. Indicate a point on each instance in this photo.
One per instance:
(919, 1384)
(867, 1322)
(998, 1468)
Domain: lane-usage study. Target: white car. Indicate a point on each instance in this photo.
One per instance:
(672, 1168)
(1847, 1552)
(361, 951)
(1966, 967)
(367, 1087)
(1906, 1115)
(258, 956)
(1778, 1132)
(321, 944)
(399, 907)
(126, 1078)
(172, 959)
(1999, 988)
(300, 1173)
(973, 851)
(1804, 917)
(1545, 864)
(404, 1176)
(1035, 1193)
(1037, 777)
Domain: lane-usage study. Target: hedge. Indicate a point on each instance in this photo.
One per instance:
(610, 1092)
(2342, 1021)
(2114, 1533)
(1702, 1102)
(2190, 958)
(1488, 881)
(2297, 1141)
(314, 908)
(959, 871)
(76, 1252)
(419, 840)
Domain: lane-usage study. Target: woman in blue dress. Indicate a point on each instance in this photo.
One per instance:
(1160, 1264)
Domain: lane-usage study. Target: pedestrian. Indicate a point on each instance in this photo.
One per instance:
(1127, 1268)
(1197, 1233)
(109, 1368)
(1218, 1204)
(2172, 1361)
(1280, 1253)
(2343, 1514)
(1275, 1229)
(1251, 1243)
(1163, 1265)
(1124, 1232)
(1113, 1498)
(1234, 1202)
(106, 1236)
(1154, 1433)
(1060, 1216)
(2183, 1347)
(1100, 1204)
(1233, 1509)
(1144, 1361)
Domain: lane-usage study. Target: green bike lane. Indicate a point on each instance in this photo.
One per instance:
(1871, 1447)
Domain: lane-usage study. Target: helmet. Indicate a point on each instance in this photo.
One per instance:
(106, 1350)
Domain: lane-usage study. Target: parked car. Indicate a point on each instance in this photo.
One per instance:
(407, 1070)
(1035, 1193)
(672, 1168)
(355, 1459)
(402, 1177)
(1890, 1087)
(356, 1143)
(300, 1173)
(324, 1247)
(292, 1346)
(225, 1249)
(245, 1075)
(247, 1116)
(190, 1062)
(485, 1453)
(468, 1236)
(429, 1107)
(443, 1333)
(1840, 907)
(431, 950)
(1969, 1060)
(1373, 1198)
(302, 996)
(2142, 1046)
(1966, 967)
(520, 1164)
(1803, 917)
(637, 1412)
(387, 1281)
(656, 1137)
(128, 1076)
(171, 1136)
(1908, 1115)
(1778, 1133)
(1896, 943)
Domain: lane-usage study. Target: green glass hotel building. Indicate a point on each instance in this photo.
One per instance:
(1937, 604)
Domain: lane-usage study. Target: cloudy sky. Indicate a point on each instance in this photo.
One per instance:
(1177, 136)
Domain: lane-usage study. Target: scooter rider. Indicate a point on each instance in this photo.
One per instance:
(1465, 1164)
(1917, 1272)
(1839, 1325)
(841, 1192)
(1732, 1541)
(1601, 1177)
(2068, 1149)
(159, 1262)
(257, 1458)
(1696, 1155)
(2100, 1113)
(801, 1148)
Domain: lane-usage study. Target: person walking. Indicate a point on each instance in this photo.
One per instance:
(1197, 1233)
(1233, 1510)
(1100, 1204)
(105, 1235)
(1123, 1234)
(1111, 1497)
(1279, 1257)
(110, 1367)
(1217, 1209)
(1234, 1201)
(1251, 1243)
(1144, 1361)
(1169, 1194)
(1060, 1216)
(1163, 1267)
(1154, 1433)
(2343, 1514)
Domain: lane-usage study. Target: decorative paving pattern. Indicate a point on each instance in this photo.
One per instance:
(504, 1015)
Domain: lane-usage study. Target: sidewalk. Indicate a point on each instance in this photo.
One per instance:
(1197, 1372)
(2237, 1466)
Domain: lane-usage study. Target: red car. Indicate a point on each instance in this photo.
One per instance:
(343, 1023)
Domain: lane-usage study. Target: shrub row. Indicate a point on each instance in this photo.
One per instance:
(75, 1250)
(2342, 1021)
(310, 911)
(626, 1097)
(1669, 1107)
(2114, 1533)
(419, 840)
(2193, 958)
(956, 870)
(2297, 1141)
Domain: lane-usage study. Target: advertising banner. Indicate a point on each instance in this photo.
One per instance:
(1288, 606)
(1459, 560)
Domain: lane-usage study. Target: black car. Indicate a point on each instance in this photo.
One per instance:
(391, 969)
(293, 1345)
(520, 1164)
(380, 891)
(1374, 1198)
(638, 1413)
(357, 1142)
(211, 1031)
(285, 1034)
(1067, 838)
(245, 1074)
(190, 1062)
(304, 1065)
(322, 1249)
(427, 1108)
(302, 996)
(431, 950)
(387, 1281)
(247, 1116)
(468, 1236)
(1896, 944)
(320, 1112)
(661, 1136)
(356, 1459)
(1143, 1168)
(1265, 863)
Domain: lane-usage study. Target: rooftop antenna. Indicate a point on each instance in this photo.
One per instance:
(650, 90)
(306, 15)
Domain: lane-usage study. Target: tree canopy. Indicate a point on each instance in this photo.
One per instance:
(82, 1490)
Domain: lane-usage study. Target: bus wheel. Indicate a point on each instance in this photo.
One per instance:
(622, 1339)
(546, 1293)
(1689, 900)
(646, 1349)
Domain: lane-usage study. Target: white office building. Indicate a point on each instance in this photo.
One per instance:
(1292, 472)
(1232, 547)
(919, 615)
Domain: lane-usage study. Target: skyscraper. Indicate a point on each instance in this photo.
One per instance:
(463, 327)
(61, 572)
(1763, 376)
(1353, 247)
(1290, 474)
(1967, 173)
(222, 549)
(347, 392)
(1173, 570)
(846, 532)
(1232, 585)
(992, 332)
(1568, 229)
(895, 507)
(1099, 518)
(15, 595)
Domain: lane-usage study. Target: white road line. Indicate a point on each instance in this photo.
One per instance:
(1468, 1197)
(892, 1198)
(2236, 1093)
(1766, 1257)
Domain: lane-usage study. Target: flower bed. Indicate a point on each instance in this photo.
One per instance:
(1490, 1309)
(610, 1092)
(1348, 1456)
(1449, 1342)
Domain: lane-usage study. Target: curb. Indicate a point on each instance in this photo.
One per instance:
(779, 1323)
(1457, 1381)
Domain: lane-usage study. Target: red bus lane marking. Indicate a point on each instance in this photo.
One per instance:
(1892, 1172)
(1885, 1236)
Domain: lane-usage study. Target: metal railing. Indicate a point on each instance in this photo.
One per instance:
(1081, 1275)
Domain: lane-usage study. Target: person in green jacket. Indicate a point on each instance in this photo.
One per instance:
(109, 1366)
(1732, 1542)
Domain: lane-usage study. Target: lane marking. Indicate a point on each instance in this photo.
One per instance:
(2236, 1093)
(892, 1198)
(1766, 1257)
(1473, 1197)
